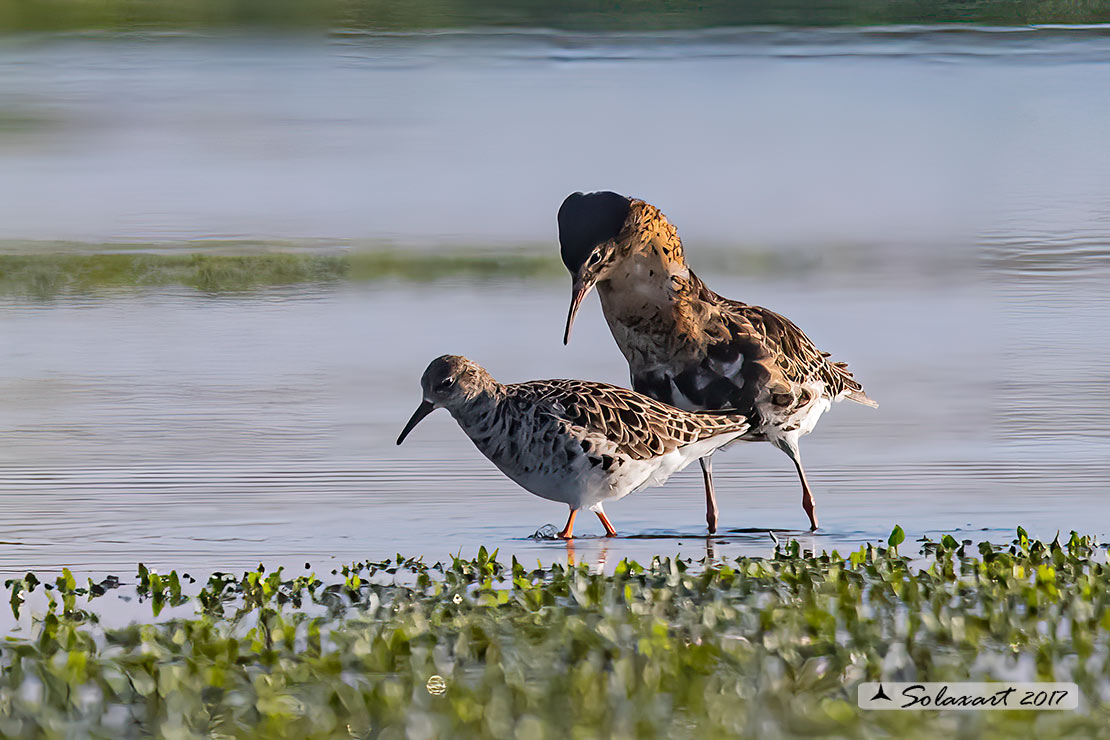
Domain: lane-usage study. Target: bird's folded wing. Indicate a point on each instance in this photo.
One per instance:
(636, 425)
(787, 351)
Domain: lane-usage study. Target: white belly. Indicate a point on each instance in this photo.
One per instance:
(581, 485)
(635, 475)
(798, 424)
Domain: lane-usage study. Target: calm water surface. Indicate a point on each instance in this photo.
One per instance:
(941, 198)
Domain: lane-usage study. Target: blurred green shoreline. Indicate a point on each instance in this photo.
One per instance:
(70, 15)
(57, 268)
(60, 272)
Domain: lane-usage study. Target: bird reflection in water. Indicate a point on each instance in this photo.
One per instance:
(595, 561)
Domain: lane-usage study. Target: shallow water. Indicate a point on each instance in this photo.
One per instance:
(939, 197)
(222, 431)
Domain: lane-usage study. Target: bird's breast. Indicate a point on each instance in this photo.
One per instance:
(535, 451)
(652, 330)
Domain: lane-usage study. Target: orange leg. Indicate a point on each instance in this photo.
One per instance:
(568, 531)
(808, 503)
(790, 447)
(609, 531)
(710, 495)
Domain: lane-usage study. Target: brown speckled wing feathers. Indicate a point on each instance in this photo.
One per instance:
(638, 426)
(781, 348)
(789, 349)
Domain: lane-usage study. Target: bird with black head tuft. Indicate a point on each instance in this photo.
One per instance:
(587, 223)
(689, 347)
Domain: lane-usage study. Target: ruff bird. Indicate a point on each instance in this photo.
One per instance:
(572, 441)
(689, 347)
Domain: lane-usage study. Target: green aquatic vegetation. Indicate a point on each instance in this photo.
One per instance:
(49, 269)
(418, 265)
(54, 273)
(750, 647)
(48, 275)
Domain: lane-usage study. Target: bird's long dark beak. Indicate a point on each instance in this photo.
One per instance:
(425, 408)
(579, 292)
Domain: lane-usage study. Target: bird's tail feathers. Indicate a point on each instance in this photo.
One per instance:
(862, 398)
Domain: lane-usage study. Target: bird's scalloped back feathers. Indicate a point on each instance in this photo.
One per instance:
(698, 350)
(792, 353)
(586, 220)
(638, 426)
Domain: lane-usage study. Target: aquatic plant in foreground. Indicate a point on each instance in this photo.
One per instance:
(767, 647)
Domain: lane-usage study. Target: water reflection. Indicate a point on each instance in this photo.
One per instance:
(593, 553)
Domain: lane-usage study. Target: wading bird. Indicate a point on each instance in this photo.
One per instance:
(687, 346)
(572, 441)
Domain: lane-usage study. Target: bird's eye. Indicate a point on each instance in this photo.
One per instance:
(442, 385)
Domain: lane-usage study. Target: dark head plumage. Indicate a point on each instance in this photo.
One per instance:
(586, 220)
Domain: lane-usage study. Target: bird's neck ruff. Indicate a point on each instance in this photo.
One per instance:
(649, 259)
(648, 236)
(650, 290)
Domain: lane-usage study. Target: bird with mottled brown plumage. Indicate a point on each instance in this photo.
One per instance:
(573, 441)
(689, 347)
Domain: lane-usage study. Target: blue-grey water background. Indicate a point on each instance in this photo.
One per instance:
(931, 205)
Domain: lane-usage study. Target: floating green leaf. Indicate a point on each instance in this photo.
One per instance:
(897, 536)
